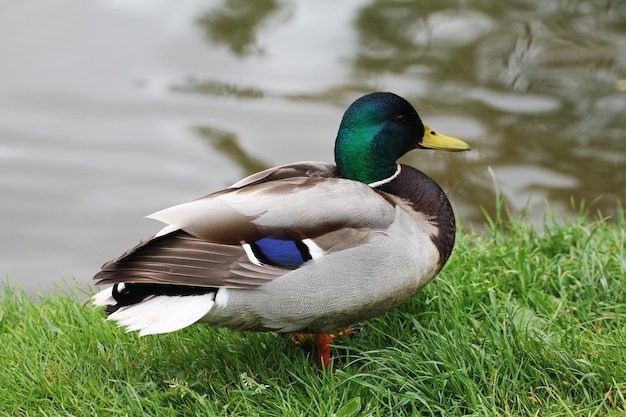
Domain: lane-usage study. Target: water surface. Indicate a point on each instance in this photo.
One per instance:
(113, 109)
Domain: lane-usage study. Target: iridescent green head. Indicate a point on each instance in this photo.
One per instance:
(379, 128)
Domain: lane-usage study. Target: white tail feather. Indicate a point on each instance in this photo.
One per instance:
(158, 314)
(104, 298)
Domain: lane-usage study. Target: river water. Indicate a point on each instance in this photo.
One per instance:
(113, 109)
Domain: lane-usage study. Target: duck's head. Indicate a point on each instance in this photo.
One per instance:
(379, 128)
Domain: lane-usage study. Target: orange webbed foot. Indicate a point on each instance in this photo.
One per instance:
(323, 342)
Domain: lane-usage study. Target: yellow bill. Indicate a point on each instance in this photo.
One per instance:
(435, 140)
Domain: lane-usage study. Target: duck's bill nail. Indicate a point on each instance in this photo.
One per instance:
(435, 140)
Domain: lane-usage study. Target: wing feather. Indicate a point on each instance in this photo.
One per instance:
(281, 207)
(181, 259)
(292, 202)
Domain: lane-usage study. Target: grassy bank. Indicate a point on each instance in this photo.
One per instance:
(518, 323)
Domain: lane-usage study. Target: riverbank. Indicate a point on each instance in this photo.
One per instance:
(518, 323)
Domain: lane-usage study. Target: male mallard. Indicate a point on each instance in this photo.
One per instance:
(308, 247)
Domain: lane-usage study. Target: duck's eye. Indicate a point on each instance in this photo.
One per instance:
(401, 118)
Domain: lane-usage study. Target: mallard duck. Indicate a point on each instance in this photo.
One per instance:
(308, 247)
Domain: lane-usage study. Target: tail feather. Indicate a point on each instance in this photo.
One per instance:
(158, 314)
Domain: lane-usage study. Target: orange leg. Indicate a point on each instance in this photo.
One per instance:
(323, 342)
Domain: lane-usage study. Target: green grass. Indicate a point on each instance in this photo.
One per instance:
(519, 323)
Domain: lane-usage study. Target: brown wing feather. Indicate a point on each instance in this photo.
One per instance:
(299, 169)
(181, 259)
(207, 251)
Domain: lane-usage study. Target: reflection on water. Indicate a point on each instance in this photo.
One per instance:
(236, 22)
(227, 143)
(541, 78)
(121, 108)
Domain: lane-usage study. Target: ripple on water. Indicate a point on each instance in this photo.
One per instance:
(515, 103)
(528, 185)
